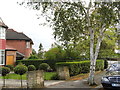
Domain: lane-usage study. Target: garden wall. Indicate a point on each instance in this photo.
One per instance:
(76, 68)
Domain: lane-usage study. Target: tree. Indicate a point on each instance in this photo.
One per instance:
(34, 52)
(40, 51)
(20, 69)
(73, 20)
(5, 71)
(56, 53)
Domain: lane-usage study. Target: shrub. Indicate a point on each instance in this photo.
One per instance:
(44, 66)
(31, 68)
(10, 66)
(20, 69)
(56, 53)
(55, 77)
(33, 57)
(5, 71)
(76, 68)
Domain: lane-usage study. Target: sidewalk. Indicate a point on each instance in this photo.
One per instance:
(11, 83)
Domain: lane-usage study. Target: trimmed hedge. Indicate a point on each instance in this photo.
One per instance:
(76, 68)
(36, 63)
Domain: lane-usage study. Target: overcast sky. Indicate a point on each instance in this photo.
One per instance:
(25, 20)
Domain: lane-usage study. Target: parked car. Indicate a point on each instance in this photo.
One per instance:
(112, 77)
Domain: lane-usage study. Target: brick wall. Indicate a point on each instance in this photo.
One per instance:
(20, 46)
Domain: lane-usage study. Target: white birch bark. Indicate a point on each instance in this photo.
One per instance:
(91, 75)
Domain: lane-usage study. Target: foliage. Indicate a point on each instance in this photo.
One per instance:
(31, 68)
(76, 68)
(56, 53)
(55, 77)
(20, 69)
(40, 51)
(34, 52)
(10, 66)
(108, 45)
(33, 56)
(47, 76)
(5, 71)
(44, 66)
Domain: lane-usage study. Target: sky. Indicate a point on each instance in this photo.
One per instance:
(25, 20)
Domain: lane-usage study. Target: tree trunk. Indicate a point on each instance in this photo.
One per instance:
(21, 80)
(3, 81)
(92, 68)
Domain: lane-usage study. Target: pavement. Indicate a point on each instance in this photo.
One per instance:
(11, 83)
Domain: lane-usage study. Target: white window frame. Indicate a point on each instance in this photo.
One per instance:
(2, 33)
(27, 44)
(2, 57)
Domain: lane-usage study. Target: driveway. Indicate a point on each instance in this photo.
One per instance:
(79, 83)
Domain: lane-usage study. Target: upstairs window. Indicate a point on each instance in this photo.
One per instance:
(27, 44)
(2, 33)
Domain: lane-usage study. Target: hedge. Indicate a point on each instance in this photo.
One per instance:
(36, 63)
(76, 68)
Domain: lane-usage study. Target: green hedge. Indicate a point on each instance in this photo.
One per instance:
(76, 68)
(36, 63)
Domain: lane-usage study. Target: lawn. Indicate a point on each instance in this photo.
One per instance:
(47, 76)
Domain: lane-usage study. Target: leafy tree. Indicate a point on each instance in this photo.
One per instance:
(34, 52)
(20, 69)
(5, 71)
(40, 51)
(33, 57)
(56, 53)
(73, 20)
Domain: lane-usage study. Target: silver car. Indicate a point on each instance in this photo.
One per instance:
(112, 77)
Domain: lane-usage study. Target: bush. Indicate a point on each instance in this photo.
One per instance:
(20, 69)
(31, 68)
(5, 71)
(36, 63)
(56, 53)
(55, 77)
(33, 57)
(10, 66)
(44, 66)
(76, 68)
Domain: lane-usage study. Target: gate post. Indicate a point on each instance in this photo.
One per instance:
(35, 79)
(63, 72)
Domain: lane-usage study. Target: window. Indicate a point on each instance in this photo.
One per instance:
(2, 33)
(2, 57)
(27, 44)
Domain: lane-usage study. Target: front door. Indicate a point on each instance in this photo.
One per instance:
(10, 60)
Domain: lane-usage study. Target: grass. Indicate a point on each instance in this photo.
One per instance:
(47, 76)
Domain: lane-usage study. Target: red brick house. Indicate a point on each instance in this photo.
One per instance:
(20, 42)
(13, 45)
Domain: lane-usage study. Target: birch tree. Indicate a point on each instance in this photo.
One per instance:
(73, 21)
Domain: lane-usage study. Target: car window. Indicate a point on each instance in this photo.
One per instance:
(114, 67)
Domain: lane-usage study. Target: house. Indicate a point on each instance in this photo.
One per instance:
(20, 42)
(13, 45)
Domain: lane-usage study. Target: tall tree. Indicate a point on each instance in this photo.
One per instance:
(73, 21)
(40, 51)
